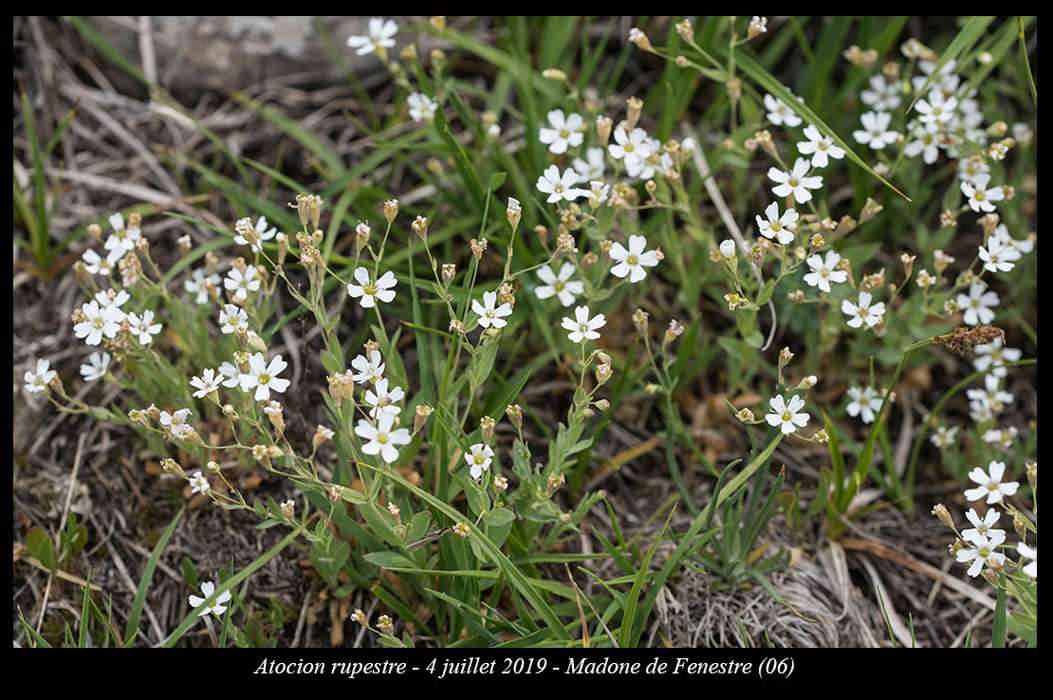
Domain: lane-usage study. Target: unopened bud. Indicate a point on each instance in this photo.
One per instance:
(640, 39)
(514, 210)
(640, 321)
(486, 429)
(420, 416)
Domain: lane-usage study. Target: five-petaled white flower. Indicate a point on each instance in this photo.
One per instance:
(883, 95)
(937, 109)
(231, 374)
(378, 40)
(997, 256)
(990, 484)
(559, 187)
(491, 315)
(1022, 246)
(479, 457)
(976, 308)
(925, 142)
(217, 608)
(982, 528)
(982, 553)
(581, 327)
(262, 233)
(785, 415)
(560, 285)
(795, 181)
(823, 274)
(865, 402)
(820, 147)
(993, 356)
(176, 422)
(632, 148)
(122, 239)
(208, 382)
(370, 292)
(241, 284)
(263, 377)
(97, 265)
(992, 396)
(384, 401)
(232, 319)
(421, 107)
(980, 198)
(198, 284)
(875, 131)
(369, 370)
(199, 484)
(38, 381)
(562, 132)
(944, 437)
(382, 439)
(592, 167)
(779, 114)
(1028, 553)
(96, 368)
(863, 312)
(144, 326)
(779, 228)
(633, 260)
(1001, 436)
(98, 322)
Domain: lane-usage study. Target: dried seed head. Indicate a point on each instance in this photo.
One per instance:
(640, 321)
(685, 30)
(462, 529)
(420, 416)
(395, 512)
(391, 209)
(500, 483)
(784, 357)
(420, 227)
(515, 415)
(870, 209)
(321, 434)
(449, 271)
(478, 248)
(633, 107)
(940, 511)
(514, 211)
(486, 429)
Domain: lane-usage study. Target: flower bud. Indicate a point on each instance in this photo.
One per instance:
(486, 429)
(462, 529)
(727, 249)
(420, 416)
(94, 230)
(288, 508)
(603, 373)
(500, 484)
(514, 211)
(554, 74)
(640, 321)
(745, 415)
(758, 25)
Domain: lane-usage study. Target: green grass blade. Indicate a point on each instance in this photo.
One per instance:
(1027, 63)
(999, 624)
(629, 617)
(144, 583)
(970, 34)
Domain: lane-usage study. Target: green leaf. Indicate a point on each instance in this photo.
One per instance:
(144, 583)
(41, 548)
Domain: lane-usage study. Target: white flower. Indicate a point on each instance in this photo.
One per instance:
(382, 439)
(795, 181)
(1029, 553)
(96, 368)
(972, 167)
(242, 284)
(174, 421)
(937, 109)
(200, 484)
(384, 401)
(925, 142)
(823, 274)
(982, 528)
(997, 256)
(1022, 247)
(727, 246)
(632, 262)
(976, 308)
(262, 233)
(217, 608)
(369, 370)
(983, 553)
(882, 95)
(562, 131)
(233, 318)
(97, 265)
(121, 239)
(559, 187)
(208, 382)
(1001, 436)
(944, 80)
(990, 485)
(758, 25)
(593, 167)
(370, 291)
(865, 402)
(631, 148)
(560, 285)
(944, 437)
(116, 301)
(198, 284)
(875, 131)
(38, 381)
(993, 356)
(779, 228)
(479, 458)
(863, 312)
(581, 327)
(378, 40)
(99, 322)
(598, 192)
(785, 415)
(488, 314)
(779, 114)
(263, 377)
(980, 198)
(822, 148)
(991, 396)
(144, 327)
(421, 107)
